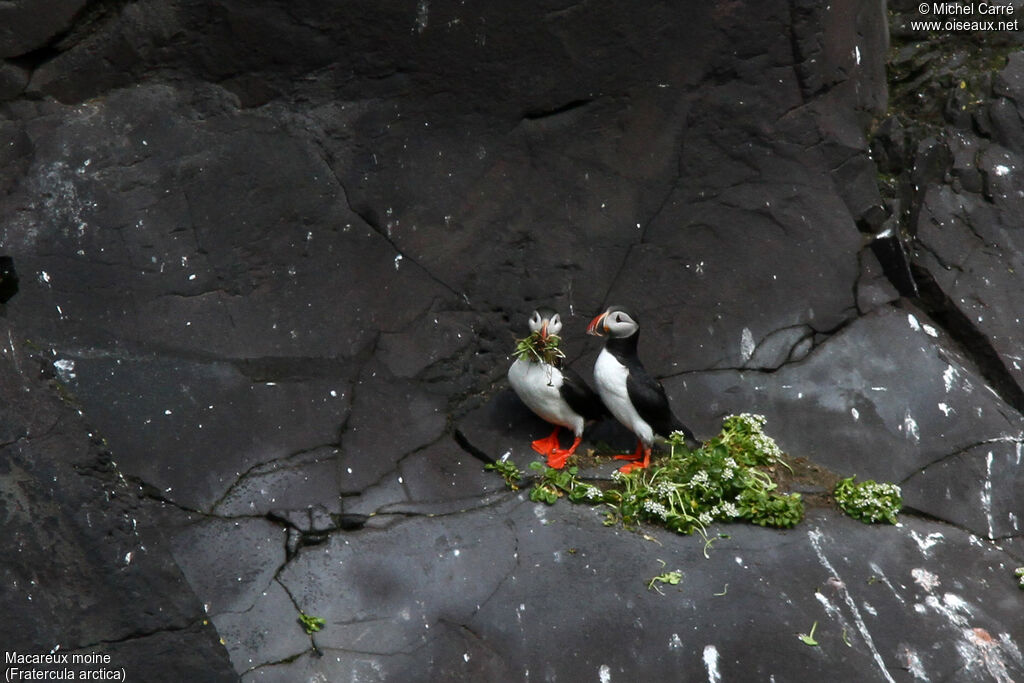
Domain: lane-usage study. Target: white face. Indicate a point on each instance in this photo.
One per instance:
(619, 324)
(537, 322)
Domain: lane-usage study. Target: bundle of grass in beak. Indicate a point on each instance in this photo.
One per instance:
(538, 348)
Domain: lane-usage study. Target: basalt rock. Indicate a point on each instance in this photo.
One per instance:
(8, 279)
(272, 260)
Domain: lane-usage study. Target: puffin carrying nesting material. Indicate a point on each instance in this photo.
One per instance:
(557, 395)
(630, 393)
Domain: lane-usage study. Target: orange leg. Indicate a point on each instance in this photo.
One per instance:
(635, 455)
(639, 462)
(547, 444)
(558, 456)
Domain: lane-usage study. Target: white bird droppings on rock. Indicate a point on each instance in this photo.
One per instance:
(925, 543)
(949, 377)
(65, 369)
(925, 579)
(986, 496)
(711, 663)
(910, 425)
(747, 345)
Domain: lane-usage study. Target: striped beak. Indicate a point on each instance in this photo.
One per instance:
(596, 326)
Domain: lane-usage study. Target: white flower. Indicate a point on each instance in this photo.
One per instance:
(664, 489)
(593, 493)
(699, 479)
(656, 508)
(751, 420)
(704, 518)
(730, 510)
(766, 445)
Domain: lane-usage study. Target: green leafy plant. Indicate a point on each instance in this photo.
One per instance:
(536, 349)
(672, 578)
(723, 480)
(553, 484)
(869, 501)
(508, 471)
(1019, 573)
(808, 638)
(727, 479)
(311, 624)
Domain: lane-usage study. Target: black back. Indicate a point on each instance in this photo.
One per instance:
(580, 396)
(645, 392)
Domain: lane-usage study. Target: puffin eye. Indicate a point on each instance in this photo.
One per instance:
(618, 318)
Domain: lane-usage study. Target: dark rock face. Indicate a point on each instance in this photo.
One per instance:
(273, 258)
(86, 567)
(8, 279)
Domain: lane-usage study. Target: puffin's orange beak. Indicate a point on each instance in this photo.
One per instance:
(596, 326)
(544, 331)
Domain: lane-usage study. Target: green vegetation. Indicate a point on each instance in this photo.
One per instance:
(1019, 573)
(672, 578)
(553, 484)
(537, 349)
(808, 638)
(733, 477)
(869, 501)
(508, 471)
(726, 479)
(311, 624)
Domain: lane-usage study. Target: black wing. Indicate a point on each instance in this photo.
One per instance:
(580, 396)
(649, 398)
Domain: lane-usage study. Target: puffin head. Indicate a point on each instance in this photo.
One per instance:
(616, 322)
(545, 321)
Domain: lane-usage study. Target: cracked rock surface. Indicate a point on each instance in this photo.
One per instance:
(272, 259)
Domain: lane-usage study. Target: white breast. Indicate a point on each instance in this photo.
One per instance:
(537, 385)
(610, 376)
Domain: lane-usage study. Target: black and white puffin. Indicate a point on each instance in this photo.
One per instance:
(556, 394)
(630, 393)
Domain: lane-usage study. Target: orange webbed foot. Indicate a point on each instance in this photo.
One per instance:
(641, 459)
(548, 444)
(635, 455)
(558, 456)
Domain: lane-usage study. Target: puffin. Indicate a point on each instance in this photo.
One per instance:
(630, 393)
(556, 394)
